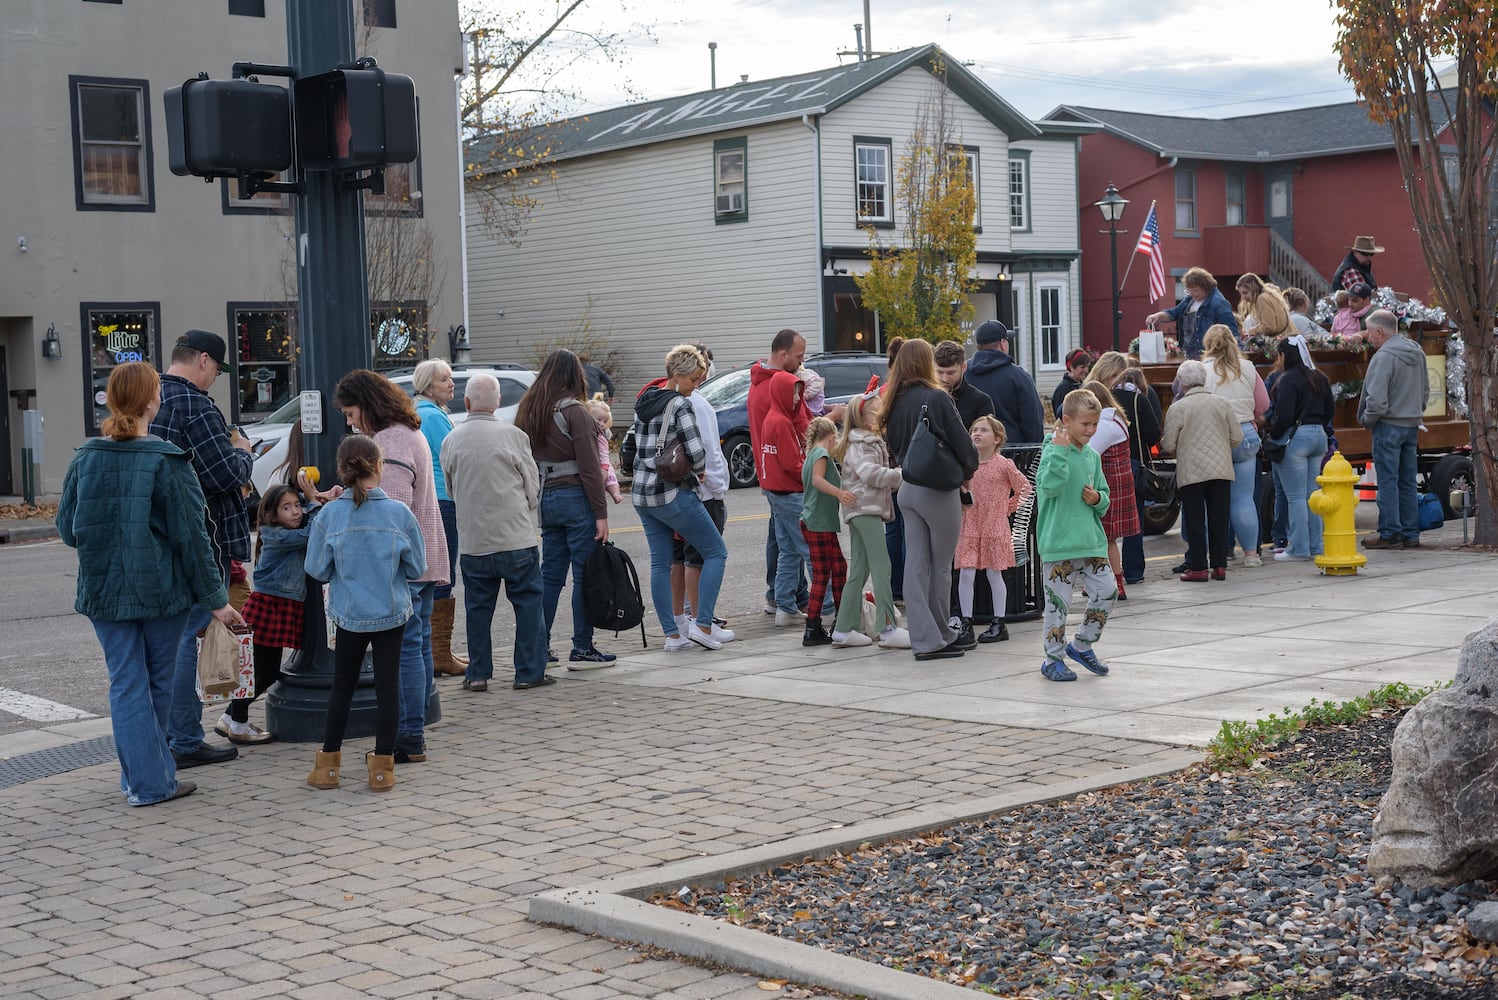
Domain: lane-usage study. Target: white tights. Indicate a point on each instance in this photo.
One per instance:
(965, 580)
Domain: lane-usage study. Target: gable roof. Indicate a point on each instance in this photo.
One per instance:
(1327, 130)
(743, 105)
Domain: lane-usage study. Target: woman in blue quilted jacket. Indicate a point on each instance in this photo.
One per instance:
(132, 507)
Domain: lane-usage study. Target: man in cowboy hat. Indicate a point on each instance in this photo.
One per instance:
(1358, 264)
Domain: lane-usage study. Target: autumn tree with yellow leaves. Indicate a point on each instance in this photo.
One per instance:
(1445, 139)
(919, 285)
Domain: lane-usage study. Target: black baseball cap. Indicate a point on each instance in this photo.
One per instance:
(210, 344)
(1362, 290)
(990, 331)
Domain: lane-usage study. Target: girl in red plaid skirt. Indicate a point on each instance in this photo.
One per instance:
(274, 609)
(1112, 442)
(821, 523)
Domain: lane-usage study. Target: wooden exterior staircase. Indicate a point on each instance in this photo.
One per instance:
(1288, 268)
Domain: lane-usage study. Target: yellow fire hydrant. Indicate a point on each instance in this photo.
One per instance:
(1337, 505)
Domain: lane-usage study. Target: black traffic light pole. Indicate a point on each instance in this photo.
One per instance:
(334, 339)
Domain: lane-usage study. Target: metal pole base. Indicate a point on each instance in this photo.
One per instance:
(296, 707)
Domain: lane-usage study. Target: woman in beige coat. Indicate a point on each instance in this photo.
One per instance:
(1201, 430)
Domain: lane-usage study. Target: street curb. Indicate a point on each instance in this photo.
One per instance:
(28, 533)
(616, 907)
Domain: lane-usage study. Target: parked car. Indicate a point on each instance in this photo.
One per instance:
(847, 374)
(268, 437)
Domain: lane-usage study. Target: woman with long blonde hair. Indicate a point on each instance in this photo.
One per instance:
(1111, 442)
(1262, 310)
(130, 485)
(1137, 401)
(1234, 378)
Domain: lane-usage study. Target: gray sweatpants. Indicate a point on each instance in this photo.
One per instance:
(933, 520)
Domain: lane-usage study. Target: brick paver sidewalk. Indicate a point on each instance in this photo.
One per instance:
(258, 886)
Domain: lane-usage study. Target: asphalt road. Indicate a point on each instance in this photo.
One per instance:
(51, 668)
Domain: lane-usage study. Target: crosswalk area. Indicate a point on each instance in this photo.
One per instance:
(35, 709)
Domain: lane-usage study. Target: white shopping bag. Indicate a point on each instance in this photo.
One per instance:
(1151, 347)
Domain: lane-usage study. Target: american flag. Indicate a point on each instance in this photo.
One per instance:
(1149, 245)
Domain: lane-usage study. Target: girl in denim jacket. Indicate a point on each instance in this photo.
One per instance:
(366, 547)
(274, 609)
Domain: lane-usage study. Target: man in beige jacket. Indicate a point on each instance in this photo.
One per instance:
(1201, 430)
(492, 478)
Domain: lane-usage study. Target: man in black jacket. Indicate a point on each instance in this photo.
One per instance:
(1357, 266)
(1016, 402)
(951, 363)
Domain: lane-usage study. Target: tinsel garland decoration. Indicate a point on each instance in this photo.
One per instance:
(1456, 375)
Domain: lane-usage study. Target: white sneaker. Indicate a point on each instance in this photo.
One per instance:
(1251, 560)
(682, 621)
(770, 608)
(701, 638)
(846, 640)
(789, 619)
(894, 638)
(722, 634)
(676, 643)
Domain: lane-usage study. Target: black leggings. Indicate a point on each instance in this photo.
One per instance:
(267, 672)
(348, 657)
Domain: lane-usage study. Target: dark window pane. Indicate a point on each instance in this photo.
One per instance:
(109, 114)
(115, 338)
(844, 379)
(247, 8)
(379, 13)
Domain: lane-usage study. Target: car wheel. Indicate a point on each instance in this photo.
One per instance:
(1453, 472)
(739, 454)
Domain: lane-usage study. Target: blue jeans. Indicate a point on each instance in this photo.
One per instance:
(141, 659)
(184, 724)
(1133, 545)
(894, 544)
(1298, 471)
(687, 517)
(520, 573)
(449, 512)
(567, 530)
(1394, 459)
(1281, 530)
(416, 684)
(1242, 509)
(786, 550)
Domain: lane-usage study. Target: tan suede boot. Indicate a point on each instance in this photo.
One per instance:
(381, 771)
(442, 639)
(324, 772)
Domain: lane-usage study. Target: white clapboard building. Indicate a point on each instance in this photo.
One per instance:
(726, 215)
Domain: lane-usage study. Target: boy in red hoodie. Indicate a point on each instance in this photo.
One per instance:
(777, 426)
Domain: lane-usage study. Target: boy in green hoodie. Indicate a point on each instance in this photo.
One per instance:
(1071, 499)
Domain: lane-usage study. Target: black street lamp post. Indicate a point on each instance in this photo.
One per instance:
(1112, 206)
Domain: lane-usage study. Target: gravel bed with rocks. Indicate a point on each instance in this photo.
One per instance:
(1195, 885)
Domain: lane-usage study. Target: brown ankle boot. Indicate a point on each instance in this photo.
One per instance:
(381, 771)
(442, 639)
(324, 772)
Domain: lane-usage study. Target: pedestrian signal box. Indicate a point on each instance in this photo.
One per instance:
(221, 128)
(355, 119)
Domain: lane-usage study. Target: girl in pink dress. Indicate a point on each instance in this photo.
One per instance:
(987, 540)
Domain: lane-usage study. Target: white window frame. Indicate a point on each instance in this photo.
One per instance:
(1051, 337)
(1188, 202)
(1240, 203)
(885, 148)
(725, 191)
(970, 157)
(1019, 194)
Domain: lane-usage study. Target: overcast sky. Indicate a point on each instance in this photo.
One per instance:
(1190, 57)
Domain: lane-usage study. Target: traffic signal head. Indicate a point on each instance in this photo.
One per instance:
(218, 128)
(355, 119)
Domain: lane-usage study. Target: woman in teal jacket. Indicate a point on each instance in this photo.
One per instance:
(132, 507)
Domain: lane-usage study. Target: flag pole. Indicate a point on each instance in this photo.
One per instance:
(1125, 280)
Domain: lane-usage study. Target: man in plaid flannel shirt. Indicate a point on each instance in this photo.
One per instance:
(189, 419)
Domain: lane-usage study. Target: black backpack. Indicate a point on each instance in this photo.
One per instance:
(611, 591)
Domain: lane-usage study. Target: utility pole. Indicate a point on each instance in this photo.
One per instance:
(333, 320)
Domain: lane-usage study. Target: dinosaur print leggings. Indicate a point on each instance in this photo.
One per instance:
(1060, 580)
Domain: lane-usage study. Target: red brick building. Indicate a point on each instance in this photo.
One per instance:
(1278, 194)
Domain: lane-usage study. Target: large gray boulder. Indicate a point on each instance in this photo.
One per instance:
(1438, 823)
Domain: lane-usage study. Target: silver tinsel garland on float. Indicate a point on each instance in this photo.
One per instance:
(1411, 311)
(1456, 375)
